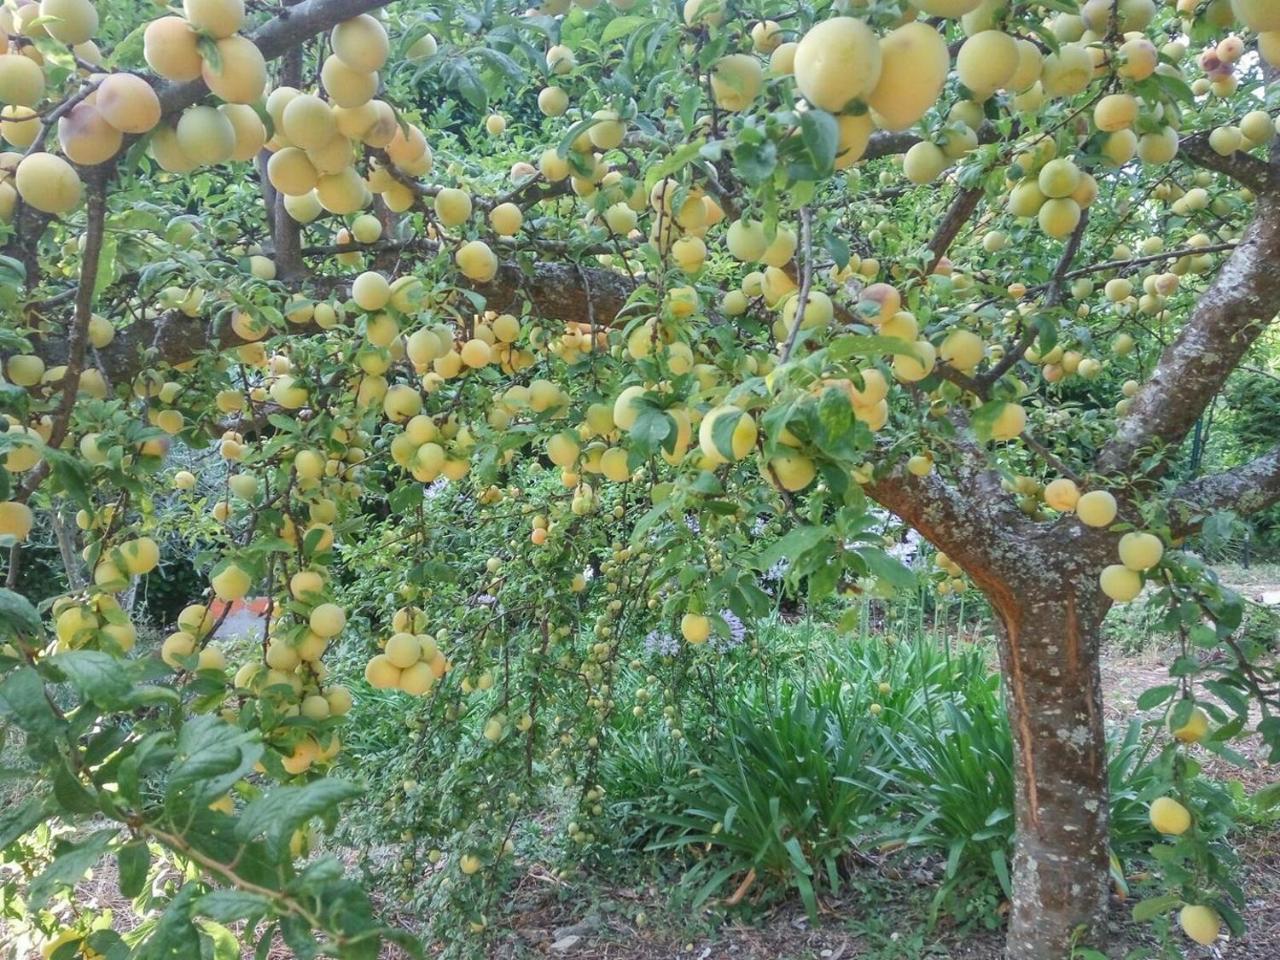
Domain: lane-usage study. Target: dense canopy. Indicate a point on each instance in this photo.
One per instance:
(481, 343)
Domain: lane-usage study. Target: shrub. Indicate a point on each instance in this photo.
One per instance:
(951, 777)
(785, 794)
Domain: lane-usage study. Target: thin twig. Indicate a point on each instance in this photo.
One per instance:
(806, 280)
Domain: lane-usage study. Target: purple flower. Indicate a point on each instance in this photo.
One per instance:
(737, 632)
(659, 644)
(778, 571)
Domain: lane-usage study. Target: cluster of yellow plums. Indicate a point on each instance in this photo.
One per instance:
(90, 132)
(1170, 818)
(1139, 551)
(411, 659)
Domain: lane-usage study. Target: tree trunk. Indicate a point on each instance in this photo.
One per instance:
(1049, 653)
(1042, 582)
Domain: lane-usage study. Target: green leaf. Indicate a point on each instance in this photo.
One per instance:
(838, 249)
(1267, 797)
(677, 161)
(722, 432)
(73, 476)
(108, 944)
(174, 936)
(498, 60)
(1000, 862)
(462, 75)
(572, 134)
(405, 940)
(886, 568)
(755, 162)
(792, 544)
(17, 616)
(129, 50)
(688, 104)
(99, 676)
(1175, 87)
(984, 418)
(1156, 696)
(69, 866)
(278, 813)
(211, 750)
(1232, 757)
(225, 945)
(209, 52)
(133, 859)
(265, 943)
(296, 933)
(405, 498)
(820, 135)
(283, 423)
(107, 269)
(69, 791)
(228, 906)
(1181, 713)
(312, 539)
(16, 821)
(150, 695)
(652, 426)
(650, 517)
(868, 345)
(22, 698)
(620, 27)
(1152, 907)
(1229, 695)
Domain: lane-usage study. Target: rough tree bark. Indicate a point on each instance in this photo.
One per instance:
(1049, 655)
(1042, 582)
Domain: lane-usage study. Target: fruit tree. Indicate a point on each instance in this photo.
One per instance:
(731, 273)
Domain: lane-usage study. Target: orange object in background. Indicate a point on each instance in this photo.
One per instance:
(254, 605)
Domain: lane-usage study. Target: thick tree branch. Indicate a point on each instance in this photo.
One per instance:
(1061, 272)
(1018, 347)
(286, 233)
(95, 228)
(30, 223)
(77, 348)
(958, 214)
(806, 280)
(555, 290)
(1133, 263)
(1240, 303)
(78, 341)
(1246, 169)
(1270, 77)
(1247, 489)
(966, 520)
(274, 39)
(886, 144)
